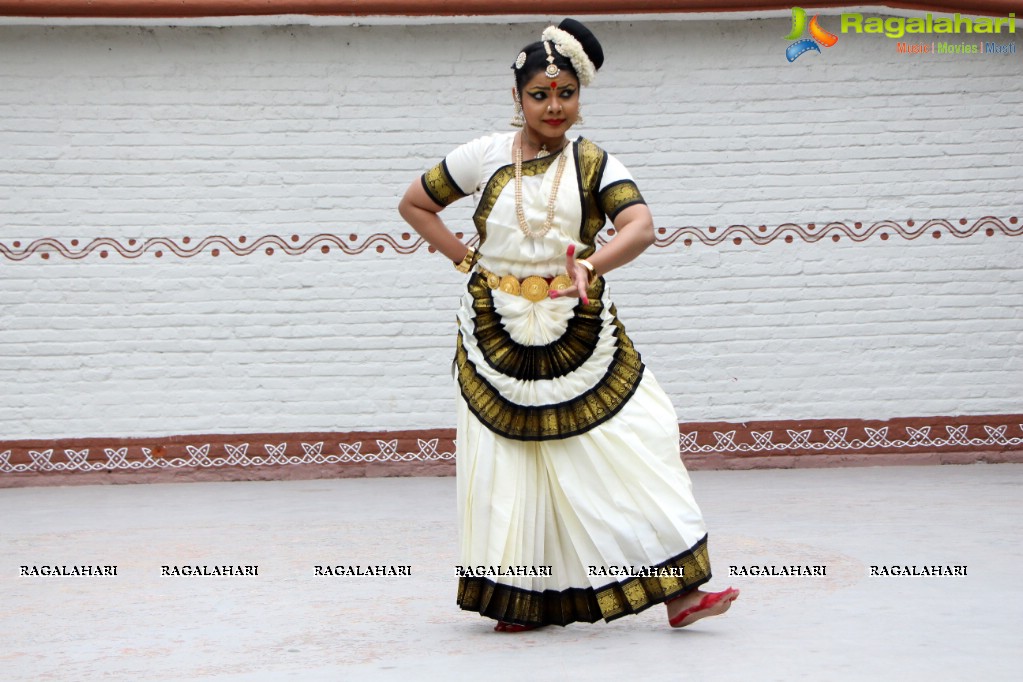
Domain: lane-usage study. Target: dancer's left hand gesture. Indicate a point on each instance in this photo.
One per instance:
(634, 232)
(580, 278)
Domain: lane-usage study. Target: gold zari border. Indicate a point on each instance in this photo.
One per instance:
(496, 184)
(590, 162)
(635, 594)
(619, 196)
(556, 420)
(585, 605)
(525, 363)
(441, 187)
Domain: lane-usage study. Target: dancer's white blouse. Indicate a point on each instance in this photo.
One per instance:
(506, 251)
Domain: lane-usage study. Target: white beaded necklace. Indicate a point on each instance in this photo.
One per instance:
(519, 212)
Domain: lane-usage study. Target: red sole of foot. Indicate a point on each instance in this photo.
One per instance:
(711, 605)
(514, 627)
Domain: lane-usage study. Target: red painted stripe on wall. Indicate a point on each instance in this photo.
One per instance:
(703, 445)
(224, 8)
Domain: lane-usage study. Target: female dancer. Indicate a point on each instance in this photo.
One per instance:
(573, 502)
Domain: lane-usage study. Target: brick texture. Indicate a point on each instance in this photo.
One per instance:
(134, 133)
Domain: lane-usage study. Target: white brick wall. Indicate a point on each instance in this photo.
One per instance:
(135, 133)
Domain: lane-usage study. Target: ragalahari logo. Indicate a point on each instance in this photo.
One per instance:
(818, 36)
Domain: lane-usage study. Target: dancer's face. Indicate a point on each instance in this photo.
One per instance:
(550, 106)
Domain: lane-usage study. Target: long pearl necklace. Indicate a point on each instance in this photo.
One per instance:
(519, 212)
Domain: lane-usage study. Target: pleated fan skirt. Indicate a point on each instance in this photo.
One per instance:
(567, 457)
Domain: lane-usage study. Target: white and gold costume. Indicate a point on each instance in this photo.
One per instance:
(567, 448)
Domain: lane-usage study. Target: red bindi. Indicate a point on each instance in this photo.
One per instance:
(554, 85)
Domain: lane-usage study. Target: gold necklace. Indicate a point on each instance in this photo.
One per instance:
(543, 151)
(519, 212)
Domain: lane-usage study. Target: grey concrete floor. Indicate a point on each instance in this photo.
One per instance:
(288, 624)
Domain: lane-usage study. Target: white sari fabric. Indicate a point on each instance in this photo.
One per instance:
(573, 501)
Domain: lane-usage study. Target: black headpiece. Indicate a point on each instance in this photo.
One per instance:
(568, 45)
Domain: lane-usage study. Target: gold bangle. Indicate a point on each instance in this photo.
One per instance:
(589, 266)
(466, 264)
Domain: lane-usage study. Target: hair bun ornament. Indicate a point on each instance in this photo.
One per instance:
(573, 40)
(586, 38)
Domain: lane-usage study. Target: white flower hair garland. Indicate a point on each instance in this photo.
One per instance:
(569, 46)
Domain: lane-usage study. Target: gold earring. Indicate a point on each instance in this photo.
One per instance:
(517, 120)
(579, 118)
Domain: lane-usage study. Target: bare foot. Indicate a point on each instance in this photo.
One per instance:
(698, 604)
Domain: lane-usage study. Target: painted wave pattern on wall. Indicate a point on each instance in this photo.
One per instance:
(405, 243)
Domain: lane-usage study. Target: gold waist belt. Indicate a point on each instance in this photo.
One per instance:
(533, 288)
